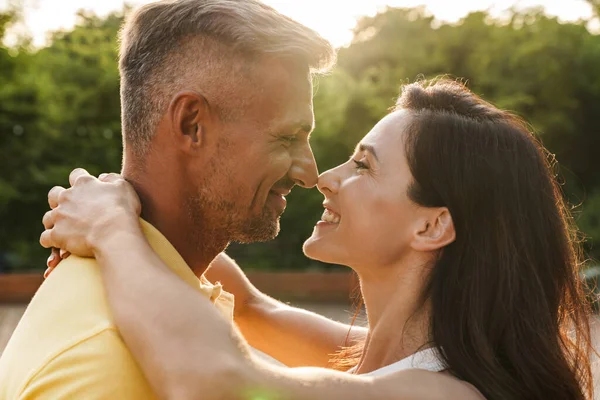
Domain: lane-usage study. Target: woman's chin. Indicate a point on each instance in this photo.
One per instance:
(316, 248)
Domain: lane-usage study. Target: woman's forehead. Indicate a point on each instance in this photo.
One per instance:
(386, 137)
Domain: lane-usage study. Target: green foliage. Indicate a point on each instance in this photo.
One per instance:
(531, 64)
(595, 6)
(59, 108)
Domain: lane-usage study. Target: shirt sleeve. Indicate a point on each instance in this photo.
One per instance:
(99, 367)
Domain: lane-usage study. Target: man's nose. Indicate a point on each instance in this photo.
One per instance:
(304, 170)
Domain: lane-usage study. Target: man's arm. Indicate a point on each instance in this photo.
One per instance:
(296, 337)
(293, 336)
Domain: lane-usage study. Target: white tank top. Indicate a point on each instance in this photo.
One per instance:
(427, 359)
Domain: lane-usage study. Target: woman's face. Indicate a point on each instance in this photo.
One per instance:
(368, 218)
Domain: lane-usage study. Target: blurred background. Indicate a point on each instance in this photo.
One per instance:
(59, 97)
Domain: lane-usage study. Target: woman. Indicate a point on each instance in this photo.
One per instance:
(449, 213)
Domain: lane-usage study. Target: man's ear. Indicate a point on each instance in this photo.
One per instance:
(189, 115)
(434, 231)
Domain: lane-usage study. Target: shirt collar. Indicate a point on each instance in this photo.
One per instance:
(165, 250)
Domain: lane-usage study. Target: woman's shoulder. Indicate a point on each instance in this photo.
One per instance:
(413, 384)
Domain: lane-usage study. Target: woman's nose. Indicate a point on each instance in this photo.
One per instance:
(329, 181)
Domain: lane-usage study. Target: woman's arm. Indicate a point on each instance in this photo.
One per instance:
(188, 351)
(183, 345)
(141, 293)
(293, 336)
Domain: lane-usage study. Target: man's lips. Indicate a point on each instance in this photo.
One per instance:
(278, 200)
(277, 195)
(281, 191)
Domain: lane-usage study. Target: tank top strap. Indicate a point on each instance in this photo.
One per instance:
(428, 359)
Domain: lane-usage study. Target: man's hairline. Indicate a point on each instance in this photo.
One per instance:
(248, 64)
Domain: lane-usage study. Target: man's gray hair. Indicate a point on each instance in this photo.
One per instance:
(165, 45)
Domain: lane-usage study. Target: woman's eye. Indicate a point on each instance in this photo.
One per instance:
(360, 165)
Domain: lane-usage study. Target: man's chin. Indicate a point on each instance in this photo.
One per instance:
(262, 230)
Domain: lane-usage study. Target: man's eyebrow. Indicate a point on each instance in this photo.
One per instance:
(307, 127)
(302, 126)
(367, 147)
(295, 127)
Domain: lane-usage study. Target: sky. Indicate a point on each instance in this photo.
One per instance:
(333, 19)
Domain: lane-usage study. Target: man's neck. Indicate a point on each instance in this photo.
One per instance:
(164, 209)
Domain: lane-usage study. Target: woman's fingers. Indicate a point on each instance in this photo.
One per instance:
(111, 177)
(75, 220)
(48, 240)
(53, 196)
(48, 220)
(54, 258)
(79, 176)
(86, 194)
(48, 272)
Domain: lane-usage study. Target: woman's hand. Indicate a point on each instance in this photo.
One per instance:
(84, 215)
(225, 270)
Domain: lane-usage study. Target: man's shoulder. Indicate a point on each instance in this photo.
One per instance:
(71, 300)
(71, 303)
(75, 285)
(97, 364)
(68, 310)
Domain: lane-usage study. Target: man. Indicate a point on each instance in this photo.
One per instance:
(216, 113)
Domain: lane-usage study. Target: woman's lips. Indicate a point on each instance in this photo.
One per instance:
(330, 217)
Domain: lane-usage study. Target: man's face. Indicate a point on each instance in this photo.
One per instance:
(260, 156)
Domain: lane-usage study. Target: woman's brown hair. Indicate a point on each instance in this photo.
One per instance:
(508, 309)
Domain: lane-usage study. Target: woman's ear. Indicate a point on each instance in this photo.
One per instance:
(434, 231)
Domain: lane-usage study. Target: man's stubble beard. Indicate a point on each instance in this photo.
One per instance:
(217, 220)
(213, 210)
(259, 228)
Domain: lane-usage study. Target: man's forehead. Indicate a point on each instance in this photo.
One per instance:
(284, 77)
(285, 97)
(297, 120)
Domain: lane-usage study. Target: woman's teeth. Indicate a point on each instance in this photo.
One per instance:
(331, 217)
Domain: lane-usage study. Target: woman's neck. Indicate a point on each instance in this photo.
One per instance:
(398, 319)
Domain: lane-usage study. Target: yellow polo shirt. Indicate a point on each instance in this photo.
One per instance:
(67, 346)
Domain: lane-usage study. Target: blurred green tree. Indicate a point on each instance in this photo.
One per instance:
(527, 62)
(595, 6)
(59, 108)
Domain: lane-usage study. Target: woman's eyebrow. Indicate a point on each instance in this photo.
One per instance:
(369, 148)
